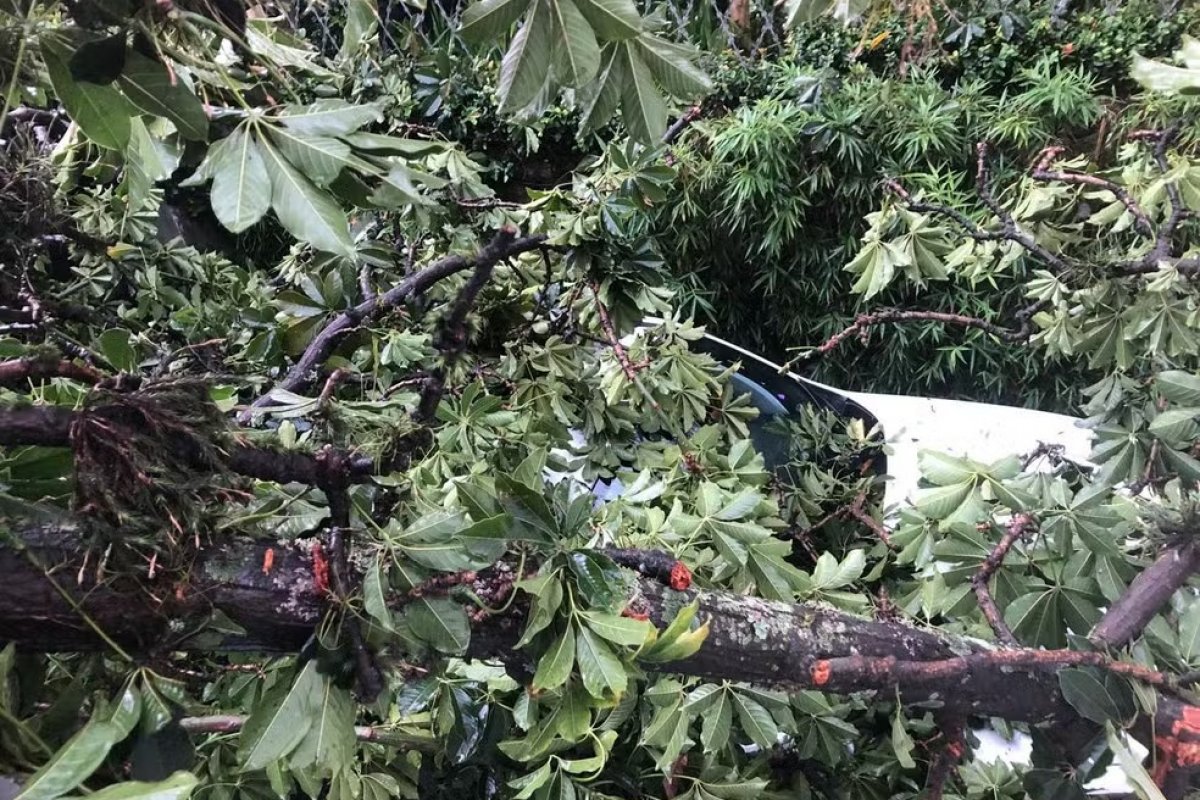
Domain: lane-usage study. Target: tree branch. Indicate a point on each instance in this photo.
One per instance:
(1146, 595)
(1041, 171)
(894, 317)
(232, 723)
(504, 244)
(1018, 526)
(19, 372)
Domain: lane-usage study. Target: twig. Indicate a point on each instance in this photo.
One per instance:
(1011, 231)
(504, 244)
(893, 317)
(1146, 595)
(856, 511)
(452, 341)
(1041, 171)
(678, 126)
(232, 723)
(1017, 527)
(947, 758)
(331, 383)
(611, 333)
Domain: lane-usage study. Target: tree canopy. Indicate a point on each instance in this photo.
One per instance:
(356, 441)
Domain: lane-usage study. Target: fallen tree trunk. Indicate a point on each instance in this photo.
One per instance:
(49, 603)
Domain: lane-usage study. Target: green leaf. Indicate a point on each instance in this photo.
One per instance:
(281, 720)
(308, 213)
(599, 580)
(1088, 695)
(1159, 77)
(601, 670)
(374, 599)
(73, 763)
(330, 740)
(756, 721)
(1179, 387)
(1131, 766)
(902, 743)
(526, 64)
(177, 787)
(599, 100)
(241, 186)
(619, 630)
(642, 107)
(328, 117)
(612, 19)
(673, 66)
(576, 54)
(100, 111)
(1176, 425)
(320, 158)
(149, 86)
(114, 345)
(490, 19)
(718, 720)
(440, 622)
(554, 667)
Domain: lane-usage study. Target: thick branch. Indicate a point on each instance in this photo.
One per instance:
(1147, 594)
(504, 244)
(752, 640)
(50, 426)
(21, 371)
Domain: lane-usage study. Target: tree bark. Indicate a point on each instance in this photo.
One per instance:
(46, 593)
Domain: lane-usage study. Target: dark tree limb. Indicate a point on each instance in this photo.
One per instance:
(19, 372)
(452, 341)
(1018, 526)
(947, 758)
(50, 426)
(504, 244)
(1146, 595)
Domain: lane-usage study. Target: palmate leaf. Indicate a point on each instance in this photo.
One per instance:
(328, 117)
(319, 158)
(308, 213)
(612, 20)
(73, 762)
(330, 741)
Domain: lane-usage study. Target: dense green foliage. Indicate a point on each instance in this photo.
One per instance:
(224, 194)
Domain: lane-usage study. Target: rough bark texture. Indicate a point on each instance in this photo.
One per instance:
(753, 640)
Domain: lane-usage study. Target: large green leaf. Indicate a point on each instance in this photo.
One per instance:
(576, 53)
(177, 787)
(642, 107)
(554, 667)
(73, 762)
(526, 65)
(599, 100)
(329, 742)
(241, 185)
(153, 89)
(490, 19)
(601, 670)
(100, 111)
(756, 721)
(612, 19)
(441, 622)
(328, 117)
(319, 158)
(281, 720)
(1179, 387)
(673, 66)
(1159, 77)
(308, 213)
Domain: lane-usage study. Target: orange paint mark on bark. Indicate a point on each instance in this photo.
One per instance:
(320, 569)
(820, 673)
(681, 576)
(268, 560)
